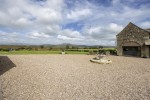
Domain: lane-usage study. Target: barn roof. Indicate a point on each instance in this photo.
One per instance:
(148, 29)
(131, 24)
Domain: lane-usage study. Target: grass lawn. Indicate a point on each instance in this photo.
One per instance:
(68, 51)
(41, 52)
(30, 52)
(76, 52)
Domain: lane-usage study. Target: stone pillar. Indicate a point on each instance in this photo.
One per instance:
(119, 50)
(145, 51)
(142, 51)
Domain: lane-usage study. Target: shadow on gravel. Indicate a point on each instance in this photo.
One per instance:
(5, 64)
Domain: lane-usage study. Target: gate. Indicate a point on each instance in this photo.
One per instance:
(132, 51)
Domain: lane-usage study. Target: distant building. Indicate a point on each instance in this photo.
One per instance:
(133, 41)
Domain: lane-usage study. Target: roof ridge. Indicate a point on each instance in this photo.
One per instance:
(130, 23)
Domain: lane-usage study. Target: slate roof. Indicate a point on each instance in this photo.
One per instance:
(148, 29)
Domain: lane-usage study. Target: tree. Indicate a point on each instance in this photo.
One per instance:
(50, 48)
(100, 47)
(73, 47)
(42, 46)
(67, 46)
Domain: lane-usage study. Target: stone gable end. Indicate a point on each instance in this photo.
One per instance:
(133, 37)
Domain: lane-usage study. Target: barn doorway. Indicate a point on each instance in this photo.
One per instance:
(132, 51)
(149, 51)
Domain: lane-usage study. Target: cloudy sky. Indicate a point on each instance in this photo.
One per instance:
(89, 22)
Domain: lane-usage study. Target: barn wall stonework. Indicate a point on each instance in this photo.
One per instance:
(132, 35)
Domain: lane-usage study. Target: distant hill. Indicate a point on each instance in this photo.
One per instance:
(63, 45)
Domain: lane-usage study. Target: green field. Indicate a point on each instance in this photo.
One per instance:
(41, 52)
(58, 51)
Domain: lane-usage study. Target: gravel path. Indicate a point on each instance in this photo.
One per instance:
(74, 77)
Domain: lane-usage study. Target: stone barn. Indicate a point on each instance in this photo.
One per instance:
(133, 41)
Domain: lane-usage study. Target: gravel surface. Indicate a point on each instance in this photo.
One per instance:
(74, 77)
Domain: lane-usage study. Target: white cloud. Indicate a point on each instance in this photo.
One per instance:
(145, 24)
(96, 29)
(79, 14)
(48, 16)
(11, 37)
(66, 38)
(115, 2)
(71, 35)
(37, 35)
(102, 32)
(22, 11)
(52, 30)
(29, 38)
(113, 27)
(63, 37)
(31, 21)
(22, 22)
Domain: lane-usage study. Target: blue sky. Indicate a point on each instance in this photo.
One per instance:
(89, 22)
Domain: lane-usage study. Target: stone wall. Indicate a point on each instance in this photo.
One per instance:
(131, 35)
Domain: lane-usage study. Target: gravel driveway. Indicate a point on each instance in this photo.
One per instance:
(74, 77)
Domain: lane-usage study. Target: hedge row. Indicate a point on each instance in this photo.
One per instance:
(102, 51)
